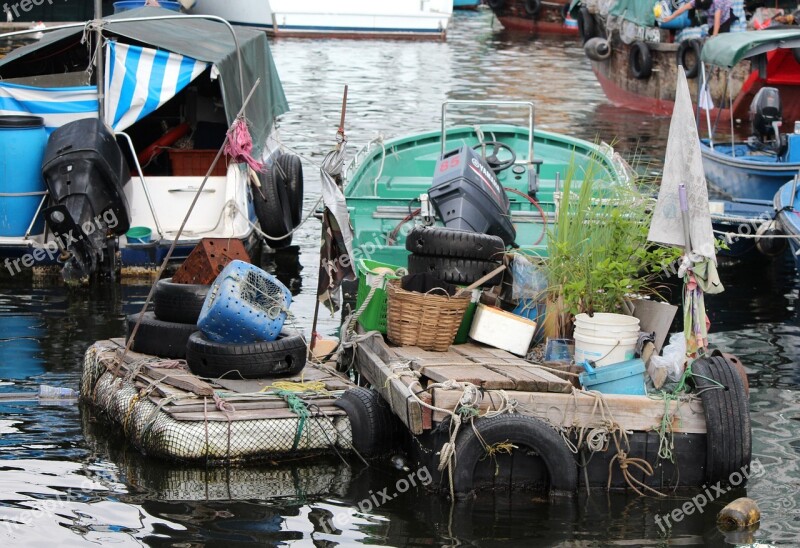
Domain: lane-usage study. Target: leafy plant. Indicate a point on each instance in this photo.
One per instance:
(598, 252)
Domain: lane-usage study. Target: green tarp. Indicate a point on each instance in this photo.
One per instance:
(636, 11)
(199, 39)
(726, 50)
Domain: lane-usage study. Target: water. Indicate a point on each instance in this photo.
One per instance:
(67, 478)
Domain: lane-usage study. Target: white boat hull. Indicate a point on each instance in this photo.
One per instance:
(349, 18)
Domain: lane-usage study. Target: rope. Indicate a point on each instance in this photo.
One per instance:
(299, 408)
(278, 387)
(273, 238)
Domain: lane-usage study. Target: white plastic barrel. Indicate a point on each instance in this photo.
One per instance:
(605, 338)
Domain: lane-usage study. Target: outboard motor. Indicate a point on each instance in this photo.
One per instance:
(85, 170)
(766, 114)
(467, 195)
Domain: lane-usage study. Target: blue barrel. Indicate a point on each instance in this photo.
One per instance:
(22, 143)
(119, 7)
(244, 305)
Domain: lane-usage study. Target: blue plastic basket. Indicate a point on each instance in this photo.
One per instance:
(620, 378)
(244, 305)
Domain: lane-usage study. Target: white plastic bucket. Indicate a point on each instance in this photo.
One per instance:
(605, 350)
(603, 324)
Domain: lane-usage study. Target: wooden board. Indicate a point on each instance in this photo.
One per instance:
(531, 379)
(477, 374)
(638, 413)
(473, 350)
(394, 390)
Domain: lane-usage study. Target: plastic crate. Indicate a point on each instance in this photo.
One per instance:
(195, 163)
(373, 318)
(244, 305)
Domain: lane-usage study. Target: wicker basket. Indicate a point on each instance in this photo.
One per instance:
(427, 320)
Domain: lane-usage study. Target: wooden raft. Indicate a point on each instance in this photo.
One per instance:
(538, 392)
(190, 398)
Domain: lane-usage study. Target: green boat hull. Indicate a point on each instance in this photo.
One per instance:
(385, 182)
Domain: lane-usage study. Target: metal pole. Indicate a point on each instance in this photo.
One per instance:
(100, 63)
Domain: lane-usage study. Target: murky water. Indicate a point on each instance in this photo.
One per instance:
(66, 478)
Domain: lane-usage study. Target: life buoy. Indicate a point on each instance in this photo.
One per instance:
(168, 139)
(641, 61)
(597, 49)
(725, 406)
(686, 50)
(532, 7)
(587, 27)
(528, 435)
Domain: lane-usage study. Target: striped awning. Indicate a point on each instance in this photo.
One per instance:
(57, 106)
(140, 80)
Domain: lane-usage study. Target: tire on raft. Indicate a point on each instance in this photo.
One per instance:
(179, 303)
(686, 47)
(158, 337)
(641, 61)
(283, 357)
(587, 27)
(273, 210)
(454, 271)
(535, 443)
(372, 422)
(725, 404)
(290, 171)
(450, 242)
(532, 7)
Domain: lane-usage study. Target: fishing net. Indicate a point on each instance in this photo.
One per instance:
(157, 433)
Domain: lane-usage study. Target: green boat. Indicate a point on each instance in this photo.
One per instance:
(387, 183)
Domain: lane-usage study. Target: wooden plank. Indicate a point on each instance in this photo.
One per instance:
(532, 379)
(250, 415)
(478, 375)
(393, 389)
(239, 406)
(471, 350)
(638, 413)
(179, 378)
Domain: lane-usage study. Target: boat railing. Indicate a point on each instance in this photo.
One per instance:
(139, 172)
(491, 104)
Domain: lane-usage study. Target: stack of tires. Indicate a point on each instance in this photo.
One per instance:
(455, 256)
(165, 331)
(278, 200)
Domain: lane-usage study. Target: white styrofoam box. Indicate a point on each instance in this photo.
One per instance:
(502, 329)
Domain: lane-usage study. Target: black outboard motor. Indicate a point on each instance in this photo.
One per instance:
(84, 170)
(766, 113)
(467, 196)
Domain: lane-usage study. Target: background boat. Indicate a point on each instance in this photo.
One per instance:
(535, 16)
(411, 19)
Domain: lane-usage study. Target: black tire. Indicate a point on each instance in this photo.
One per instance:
(496, 4)
(159, 338)
(532, 7)
(283, 357)
(179, 303)
(687, 50)
(641, 61)
(291, 172)
(530, 435)
(371, 420)
(449, 242)
(273, 210)
(587, 28)
(728, 436)
(454, 271)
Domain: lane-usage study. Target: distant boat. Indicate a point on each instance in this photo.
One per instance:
(87, 186)
(535, 16)
(409, 19)
(787, 207)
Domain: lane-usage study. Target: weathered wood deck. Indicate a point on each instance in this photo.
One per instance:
(538, 392)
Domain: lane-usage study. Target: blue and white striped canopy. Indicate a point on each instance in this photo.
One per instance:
(140, 80)
(57, 106)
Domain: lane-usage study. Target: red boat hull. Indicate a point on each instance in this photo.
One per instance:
(551, 18)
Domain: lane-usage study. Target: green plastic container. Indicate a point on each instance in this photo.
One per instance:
(374, 316)
(139, 235)
(462, 337)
